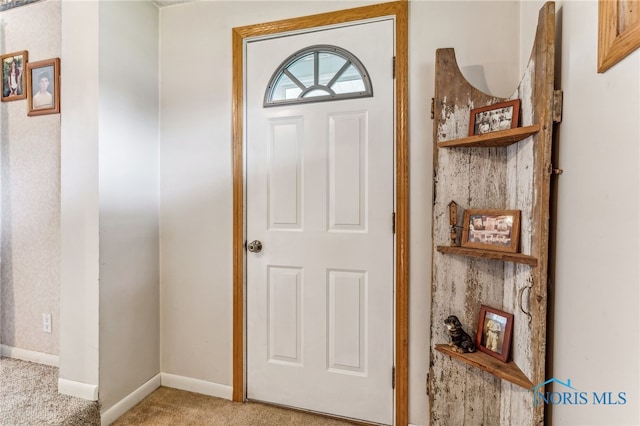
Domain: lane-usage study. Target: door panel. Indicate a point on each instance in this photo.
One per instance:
(285, 173)
(347, 171)
(285, 321)
(347, 321)
(319, 178)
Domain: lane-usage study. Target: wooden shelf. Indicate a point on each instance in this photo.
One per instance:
(489, 254)
(508, 371)
(493, 139)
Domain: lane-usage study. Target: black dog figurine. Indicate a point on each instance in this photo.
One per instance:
(461, 342)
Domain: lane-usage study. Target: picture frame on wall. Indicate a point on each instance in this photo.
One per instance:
(495, 329)
(43, 87)
(495, 117)
(618, 31)
(14, 85)
(497, 230)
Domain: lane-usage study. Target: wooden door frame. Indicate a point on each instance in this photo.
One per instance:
(399, 10)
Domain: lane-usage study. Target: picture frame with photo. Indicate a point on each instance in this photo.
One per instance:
(495, 329)
(14, 86)
(497, 230)
(43, 87)
(494, 118)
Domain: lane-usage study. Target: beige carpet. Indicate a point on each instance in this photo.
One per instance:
(29, 397)
(173, 407)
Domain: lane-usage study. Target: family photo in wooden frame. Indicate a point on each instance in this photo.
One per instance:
(491, 229)
(13, 76)
(495, 117)
(43, 87)
(495, 328)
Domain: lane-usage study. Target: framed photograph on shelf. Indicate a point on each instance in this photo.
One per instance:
(14, 85)
(494, 332)
(43, 87)
(497, 230)
(493, 118)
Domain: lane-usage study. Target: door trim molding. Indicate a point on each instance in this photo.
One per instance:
(399, 10)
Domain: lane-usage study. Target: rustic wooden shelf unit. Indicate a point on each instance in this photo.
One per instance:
(509, 169)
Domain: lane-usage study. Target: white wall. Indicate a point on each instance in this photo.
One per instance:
(596, 328)
(79, 258)
(129, 197)
(196, 201)
(110, 196)
(30, 151)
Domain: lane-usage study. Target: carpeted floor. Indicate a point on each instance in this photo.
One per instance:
(173, 407)
(29, 397)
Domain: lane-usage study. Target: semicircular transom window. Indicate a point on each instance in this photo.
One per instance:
(318, 73)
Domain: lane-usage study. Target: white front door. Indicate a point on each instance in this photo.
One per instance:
(320, 181)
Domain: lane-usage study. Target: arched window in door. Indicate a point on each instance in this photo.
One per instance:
(318, 73)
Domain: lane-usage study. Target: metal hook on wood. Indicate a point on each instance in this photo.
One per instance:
(520, 294)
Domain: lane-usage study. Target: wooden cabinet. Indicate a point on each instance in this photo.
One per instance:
(509, 169)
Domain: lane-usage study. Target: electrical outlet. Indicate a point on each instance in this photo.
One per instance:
(46, 323)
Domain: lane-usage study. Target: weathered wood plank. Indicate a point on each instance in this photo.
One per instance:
(460, 284)
(509, 170)
(543, 85)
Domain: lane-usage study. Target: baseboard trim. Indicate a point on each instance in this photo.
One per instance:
(196, 385)
(32, 356)
(113, 413)
(78, 389)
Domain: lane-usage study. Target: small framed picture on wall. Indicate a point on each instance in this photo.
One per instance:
(43, 87)
(14, 85)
